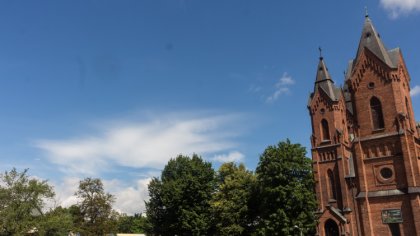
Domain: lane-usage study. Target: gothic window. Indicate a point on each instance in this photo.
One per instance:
(325, 132)
(333, 194)
(376, 112)
(331, 228)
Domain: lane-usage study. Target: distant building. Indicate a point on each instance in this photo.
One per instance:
(366, 145)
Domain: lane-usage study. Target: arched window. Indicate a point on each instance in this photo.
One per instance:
(325, 131)
(331, 228)
(407, 107)
(333, 194)
(376, 112)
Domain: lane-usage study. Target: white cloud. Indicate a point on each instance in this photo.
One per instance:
(234, 156)
(400, 7)
(415, 91)
(277, 93)
(281, 87)
(285, 80)
(129, 199)
(142, 144)
(64, 191)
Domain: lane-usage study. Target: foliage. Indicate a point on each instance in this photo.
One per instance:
(286, 190)
(188, 199)
(21, 202)
(58, 221)
(76, 217)
(180, 200)
(95, 208)
(132, 224)
(232, 200)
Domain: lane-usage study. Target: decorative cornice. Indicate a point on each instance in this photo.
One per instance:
(326, 146)
(377, 158)
(380, 136)
(381, 193)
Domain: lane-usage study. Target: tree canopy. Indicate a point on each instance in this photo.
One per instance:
(57, 221)
(231, 203)
(180, 200)
(95, 208)
(285, 181)
(132, 224)
(23, 209)
(189, 198)
(22, 200)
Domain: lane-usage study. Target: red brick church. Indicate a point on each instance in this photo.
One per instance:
(366, 145)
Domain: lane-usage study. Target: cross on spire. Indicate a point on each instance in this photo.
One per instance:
(320, 53)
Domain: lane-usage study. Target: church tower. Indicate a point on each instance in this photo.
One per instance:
(365, 145)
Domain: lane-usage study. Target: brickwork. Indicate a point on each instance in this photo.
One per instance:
(366, 146)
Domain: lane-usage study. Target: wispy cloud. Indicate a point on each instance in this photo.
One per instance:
(128, 198)
(147, 144)
(277, 94)
(233, 156)
(415, 91)
(144, 145)
(65, 190)
(281, 87)
(285, 80)
(397, 8)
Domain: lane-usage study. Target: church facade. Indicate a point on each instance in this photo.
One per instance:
(366, 145)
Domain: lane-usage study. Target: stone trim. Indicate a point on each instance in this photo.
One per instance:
(338, 214)
(373, 137)
(382, 193)
(326, 146)
(378, 158)
(413, 189)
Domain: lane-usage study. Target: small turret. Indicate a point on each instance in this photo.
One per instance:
(324, 82)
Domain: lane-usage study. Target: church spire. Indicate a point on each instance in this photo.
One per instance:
(324, 82)
(371, 40)
(322, 73)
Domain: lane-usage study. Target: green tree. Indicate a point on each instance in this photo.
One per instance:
(57, 221)
(95, 208)
(132, 224)
(180, 200)
(21, 202)
(76, 217)
(286, 195)
(231, 203)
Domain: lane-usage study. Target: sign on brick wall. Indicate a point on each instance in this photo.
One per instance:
(390, 216)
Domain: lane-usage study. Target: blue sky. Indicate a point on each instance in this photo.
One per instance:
(114, 89)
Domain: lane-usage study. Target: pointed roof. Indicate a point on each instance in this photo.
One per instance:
(322, 73)
(324, 81)
(371, 40)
